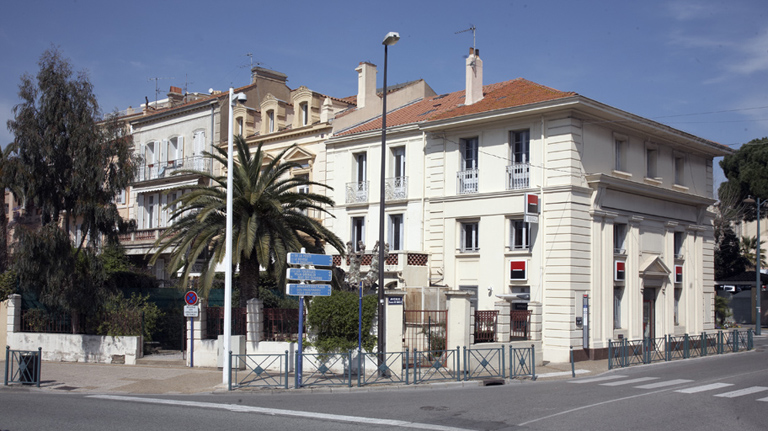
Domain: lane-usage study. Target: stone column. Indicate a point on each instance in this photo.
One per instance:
(458, 325)
(255, 310)
(503, 323)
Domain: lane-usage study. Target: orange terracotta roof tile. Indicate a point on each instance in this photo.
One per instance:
(501, 95)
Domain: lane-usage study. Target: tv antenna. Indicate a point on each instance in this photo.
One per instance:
(157, 88)
(250, 55)
(471, 28)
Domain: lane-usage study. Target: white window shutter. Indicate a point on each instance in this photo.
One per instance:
(163, 151)
(163, 210)
(180, 148)
(140, 211)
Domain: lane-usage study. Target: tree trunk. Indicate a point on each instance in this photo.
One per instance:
(249, 279)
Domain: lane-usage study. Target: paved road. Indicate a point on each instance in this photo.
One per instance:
(721, 392)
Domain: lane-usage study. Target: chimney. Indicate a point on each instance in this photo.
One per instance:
(326, 112)
(175, 97)
(366, 84)
(474, 91)
(263, 73)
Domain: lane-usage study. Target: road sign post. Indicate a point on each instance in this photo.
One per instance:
(304, 274)
(191, 310)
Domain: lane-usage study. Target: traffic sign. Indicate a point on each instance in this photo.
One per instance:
(191, 311)
(308, 289)
(190, 298)
(310, 259)
(309, 274)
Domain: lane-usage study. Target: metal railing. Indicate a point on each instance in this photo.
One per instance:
(518, 176)
(164, 169)
(215, 321)
(520, 324)
(432, 365)
(396, 188)
(392, 369)
(467, 181)
(261, 370)
(522, 362)
(357, 192)
(281, 324)
(325, 369)
(484, 363)
(624, 353)
(23, 366)
(485, 326)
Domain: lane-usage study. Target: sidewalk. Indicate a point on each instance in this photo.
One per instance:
(166, 374)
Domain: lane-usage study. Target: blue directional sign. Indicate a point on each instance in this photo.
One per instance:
(310, 259)
(309, 274)
(308, 289)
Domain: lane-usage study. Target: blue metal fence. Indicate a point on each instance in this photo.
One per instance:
(522, 362)
(624, 353)
(22, 366)
(484, 363)
(259, 370)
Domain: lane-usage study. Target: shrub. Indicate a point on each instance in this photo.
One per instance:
(129, 316)
(335, 320)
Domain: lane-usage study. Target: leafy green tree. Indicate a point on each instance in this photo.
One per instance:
(747, 174)
(748, 249)
(269, 220)
(728, 258)
(68, 164)
(335, 321)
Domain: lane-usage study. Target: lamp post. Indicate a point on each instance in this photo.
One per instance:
(390, 39)
(758, 284)
(228, 246)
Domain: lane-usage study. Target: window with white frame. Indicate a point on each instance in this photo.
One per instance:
(620, 153)
(651, 157)
(519, 235)
(468, 174)
(150, 152)
(361, 161)
(520, 144)
(618, 293)
(679, 238)
(358, 232)
(120, 197)
(270, 121)
(303, 188)
(470, 241)
(199, 142)
(150, 211)
(620, 238)
(304, 108)
(680, 170)
(396, 232)
(174, 149)
(240, 126)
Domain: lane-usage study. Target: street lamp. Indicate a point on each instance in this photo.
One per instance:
(758, 284)
(233, 99)
(390, 39)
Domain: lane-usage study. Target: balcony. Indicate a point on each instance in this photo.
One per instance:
(164, 169)
(518, 176)
(467, 181)
(357, 192)
(396, 188)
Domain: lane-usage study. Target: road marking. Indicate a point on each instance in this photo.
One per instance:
(664, 384)
(742, 392)
(596, 379)
(629, 382)
(281, 412)
(703, 388)
(561, 373)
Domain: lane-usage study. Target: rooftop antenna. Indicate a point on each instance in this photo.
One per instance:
(258, 63)
(157, 88)
(471, 28)
(186, 85)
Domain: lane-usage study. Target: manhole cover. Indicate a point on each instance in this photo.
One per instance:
(65, 388)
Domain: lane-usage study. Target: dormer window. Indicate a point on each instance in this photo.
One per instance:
(304, 112)
(240, 128)
(271, 121)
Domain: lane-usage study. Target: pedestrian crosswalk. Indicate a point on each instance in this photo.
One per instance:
(690, 386)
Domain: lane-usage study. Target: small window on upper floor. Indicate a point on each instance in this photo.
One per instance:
(680, 170)
(120, 197)
(271, 121)
(651, 156)
(620, 238)
(519, 235)
(470, 241)
(620, 153)
(240, 127)
(304, 108)
(679, 238)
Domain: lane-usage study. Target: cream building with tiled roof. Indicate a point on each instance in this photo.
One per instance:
(623, 218)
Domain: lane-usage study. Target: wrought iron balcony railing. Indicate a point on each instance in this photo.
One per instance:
(357, 192)
(164, 169)
(396, 188)
(467, 181)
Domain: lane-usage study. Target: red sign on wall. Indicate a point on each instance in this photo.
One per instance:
(619, 270)
(678, 273)
(518, 270)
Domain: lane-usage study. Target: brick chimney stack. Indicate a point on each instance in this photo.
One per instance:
(366, 84)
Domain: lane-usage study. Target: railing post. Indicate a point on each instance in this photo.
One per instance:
(39, 365)
(610, 357)
(646, 344)
(465, 364)
(704, 343)
(719, 342)
(735, 340)
(407, 364)
(533, 363)
(685, 347)
(666, 348)
(7, 364)
(624, 362)
(503, 364)
(286, 369)
(457, 363)
(349, 371)
(415, 364)
(750, 340)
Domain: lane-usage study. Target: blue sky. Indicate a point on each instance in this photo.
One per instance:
(697, 65)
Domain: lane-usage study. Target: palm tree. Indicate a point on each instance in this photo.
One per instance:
(749, 249)
(269, 219)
